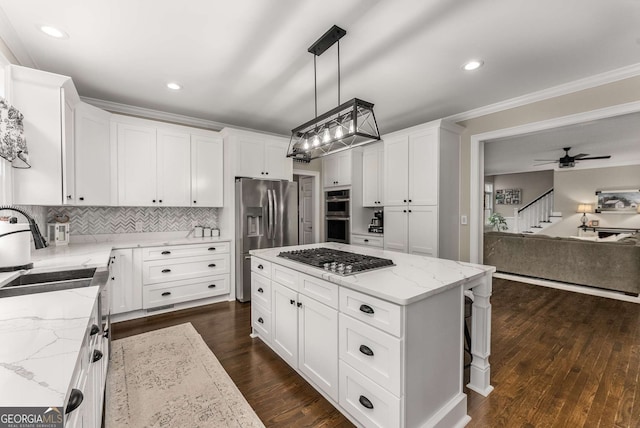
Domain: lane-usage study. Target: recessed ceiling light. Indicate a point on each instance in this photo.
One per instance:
(174, 86)
(53, 32)
(473, 65)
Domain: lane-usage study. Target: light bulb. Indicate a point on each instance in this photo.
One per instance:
(351, 126)
(338, 133)
(316, 141)
(326, 137)
(306, 144)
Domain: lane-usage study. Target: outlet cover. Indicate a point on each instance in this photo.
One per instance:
(139, 226)
(463, 219)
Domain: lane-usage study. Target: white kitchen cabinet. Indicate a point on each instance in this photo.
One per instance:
(258, 155)
(373, 175)
(125, 286)
(421, 196)
(367, 240)
(46, 100)
(174, 168)
(207, 171)
(336, 169)
(93, 163)
(137, 165)
(303, 331)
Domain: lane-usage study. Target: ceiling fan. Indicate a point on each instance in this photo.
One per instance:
(568, 161)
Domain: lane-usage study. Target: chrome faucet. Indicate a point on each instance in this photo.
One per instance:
(38, 239)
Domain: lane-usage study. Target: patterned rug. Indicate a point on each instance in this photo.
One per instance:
(170, 378)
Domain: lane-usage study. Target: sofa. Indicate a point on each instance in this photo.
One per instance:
(611, 265)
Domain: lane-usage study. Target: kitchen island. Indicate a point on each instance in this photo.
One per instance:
(385, 346)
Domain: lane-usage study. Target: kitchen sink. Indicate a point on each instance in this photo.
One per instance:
(32, 283)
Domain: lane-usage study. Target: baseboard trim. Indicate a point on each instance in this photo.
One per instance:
(569, 287)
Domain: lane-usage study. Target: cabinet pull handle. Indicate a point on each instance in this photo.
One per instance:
(365, 402)
(260, 290)
(165, 253)
(212, 265)
(94, 330)
(166, 270)
(212, 286)
(166, 293)
(75, 399)
(366, 240)
(260, 320)
(97, 356)
(299, 304)
(106, 333)
(366, 350)
(81, 198)
(293, 302)
(211, 249)
(367, 309)
(260, 267)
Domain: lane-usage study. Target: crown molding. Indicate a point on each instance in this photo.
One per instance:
(14, 44)
(545, 94)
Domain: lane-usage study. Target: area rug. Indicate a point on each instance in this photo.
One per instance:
(170, 378)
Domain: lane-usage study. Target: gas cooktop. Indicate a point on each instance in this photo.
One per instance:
(337, 261)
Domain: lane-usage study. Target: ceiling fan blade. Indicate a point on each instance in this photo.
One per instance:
(581, 155)
(545, 160)
(596, 157)
(545, 163)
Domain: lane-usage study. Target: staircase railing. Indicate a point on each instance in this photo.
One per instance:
(535, 212)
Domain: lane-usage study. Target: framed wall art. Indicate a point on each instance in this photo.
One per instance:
(508, 196)
(618, 201)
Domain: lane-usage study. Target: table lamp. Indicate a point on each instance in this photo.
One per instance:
(584, 209)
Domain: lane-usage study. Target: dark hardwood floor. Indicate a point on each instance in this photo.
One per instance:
(559, 359)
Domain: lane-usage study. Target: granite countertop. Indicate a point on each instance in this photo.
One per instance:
(41, 336)
(412, 279)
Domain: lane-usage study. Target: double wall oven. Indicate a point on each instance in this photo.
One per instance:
(337, 216)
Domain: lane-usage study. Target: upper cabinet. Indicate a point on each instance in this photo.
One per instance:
(336, 169)
(258, 155)
(47, 101)
(165, 165)
(373, 175)
(93, 160)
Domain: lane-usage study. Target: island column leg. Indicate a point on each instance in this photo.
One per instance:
(480, 376)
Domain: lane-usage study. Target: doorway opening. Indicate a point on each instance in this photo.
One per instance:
(308, 206)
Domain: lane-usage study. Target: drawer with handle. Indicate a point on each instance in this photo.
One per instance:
(367, 241)
(188, 250)
(369, 403)
(193, 267)
(374, 353)
(183, 291)
(261, 291)
(261, 322)
(261, 266)
(372, 311)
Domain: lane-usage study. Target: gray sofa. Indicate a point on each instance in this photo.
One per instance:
(608, 265)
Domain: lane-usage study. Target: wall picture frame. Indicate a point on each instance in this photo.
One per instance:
(618, 201)
(508, 196)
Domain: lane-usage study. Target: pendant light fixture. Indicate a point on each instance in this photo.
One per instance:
(348, 125)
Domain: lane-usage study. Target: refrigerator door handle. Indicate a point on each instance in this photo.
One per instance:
(269, 215)
(274, 221)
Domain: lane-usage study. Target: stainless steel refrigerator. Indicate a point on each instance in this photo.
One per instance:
(266, 217)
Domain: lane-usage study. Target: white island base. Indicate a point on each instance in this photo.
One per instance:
(385, 347)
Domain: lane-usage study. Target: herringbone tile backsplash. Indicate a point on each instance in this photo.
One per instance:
(98, 220)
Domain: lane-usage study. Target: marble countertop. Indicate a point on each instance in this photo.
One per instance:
(94, 254)
(41, 336)
(413, 277)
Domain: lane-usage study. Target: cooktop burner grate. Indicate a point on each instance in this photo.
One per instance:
(337, 261)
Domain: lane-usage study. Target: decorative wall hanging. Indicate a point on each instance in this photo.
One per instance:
(618, 201)
(13, 145)
(508, 197)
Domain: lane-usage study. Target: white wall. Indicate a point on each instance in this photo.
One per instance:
(532, 184)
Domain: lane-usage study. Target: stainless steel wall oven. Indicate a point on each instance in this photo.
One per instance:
(337, 216)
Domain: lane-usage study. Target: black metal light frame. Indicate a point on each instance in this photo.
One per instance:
(348, 125)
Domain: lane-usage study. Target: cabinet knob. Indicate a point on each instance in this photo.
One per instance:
(409, 210)
(367, 309)
(212, 265)
(194, 202)
(165, 253)
(260, 320)
(262, 173)
(260, 290)
(160, 200)
(113, 278)
(404, 211)
(409, 201)
(154, 201)
(68, 196)
(366, 350)
(94, 330)
(260, 267)
(293, 302)
(212, 286)
(266, 173)
(365, 402)
(166, 270)
(75, 399)
(166, 293)
(97, 356)
(404, 200)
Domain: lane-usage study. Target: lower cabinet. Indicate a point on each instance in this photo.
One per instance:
(125, 285)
